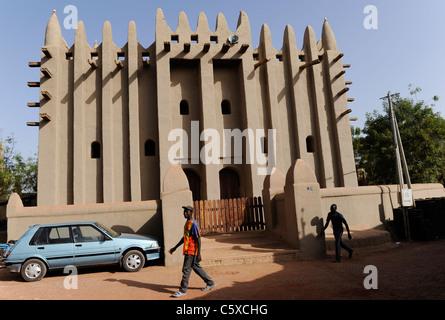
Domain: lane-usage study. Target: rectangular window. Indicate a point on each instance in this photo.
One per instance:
(175, 38)
(52, 235)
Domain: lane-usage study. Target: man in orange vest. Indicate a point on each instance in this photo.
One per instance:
(192, 254)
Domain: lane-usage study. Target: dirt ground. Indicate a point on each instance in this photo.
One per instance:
(412, 271)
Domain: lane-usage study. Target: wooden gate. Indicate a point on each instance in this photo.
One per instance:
(229, 215)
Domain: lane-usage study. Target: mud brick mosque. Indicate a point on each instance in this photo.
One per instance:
(106, 115)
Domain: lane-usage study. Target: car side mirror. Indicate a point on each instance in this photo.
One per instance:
(12, 242)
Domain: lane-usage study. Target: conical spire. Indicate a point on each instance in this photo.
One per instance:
(221, 24)
(327, 37)
(289, 37)
(161, 24)
(243, 28)
(203, 24)
(80, 34)
(53, 34)
(107, 35)
(132, 32)
(266, 42)
(183, 23)
(310, 41)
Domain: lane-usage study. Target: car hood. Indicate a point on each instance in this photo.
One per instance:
(134, 237)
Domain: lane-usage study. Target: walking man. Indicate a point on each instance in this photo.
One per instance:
(337, 224)
(192, 254)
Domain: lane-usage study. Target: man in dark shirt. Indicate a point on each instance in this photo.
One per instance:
(337, 224)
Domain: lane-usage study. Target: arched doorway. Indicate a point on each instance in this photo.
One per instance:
(229, 184)
(194, 183)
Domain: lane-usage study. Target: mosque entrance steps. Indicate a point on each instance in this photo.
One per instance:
(246, 247)
(261, 247)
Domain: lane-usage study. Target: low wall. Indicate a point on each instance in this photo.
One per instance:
(363, 207)
(127, 217)
(369, 206)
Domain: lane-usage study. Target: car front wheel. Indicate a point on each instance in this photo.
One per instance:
(33, 270)
(133, 261)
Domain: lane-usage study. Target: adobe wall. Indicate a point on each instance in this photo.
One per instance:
(136, 217)
(368, 207)
(363, 207)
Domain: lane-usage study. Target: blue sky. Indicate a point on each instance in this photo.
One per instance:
(407, 48)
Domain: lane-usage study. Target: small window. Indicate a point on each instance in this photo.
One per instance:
(213, 39)
(149, 148)
(184, 107)
(69, 56)
(94, 55)
(175, 38)
(279, 57)
(95, 150)
(145, 56)
(302, 58)
(310, 144)
(194, 38)
(121, 56)
(225, 107)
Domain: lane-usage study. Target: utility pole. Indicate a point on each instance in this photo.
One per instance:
(405, 194)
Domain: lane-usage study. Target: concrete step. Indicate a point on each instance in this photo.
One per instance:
(245, 248)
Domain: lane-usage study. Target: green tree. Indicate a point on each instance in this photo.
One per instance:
(422, 133)
(16, 174)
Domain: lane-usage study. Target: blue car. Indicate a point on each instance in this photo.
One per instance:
(55, 246)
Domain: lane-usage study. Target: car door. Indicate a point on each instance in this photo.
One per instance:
(55, 245)
(92, 246)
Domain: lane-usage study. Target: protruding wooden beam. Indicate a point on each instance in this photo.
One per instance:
(340, 74)
(260, 63)
(345, 112)
(344, 90)
(167, 46)
(119, 63)
(47, 52)
(45, 116)
(33, 124)
(338, 57)
(310, 63)
(348, 82)
(46, 72)
(346, 66)
(243, 47)
(225, 47)
(33, 84)
(206, 47)
(47, 95)
(351, 99)
(187, 47)
(92, 63)
(33, 104)
(34, 64)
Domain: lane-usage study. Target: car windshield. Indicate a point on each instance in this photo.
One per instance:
(108, 230)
